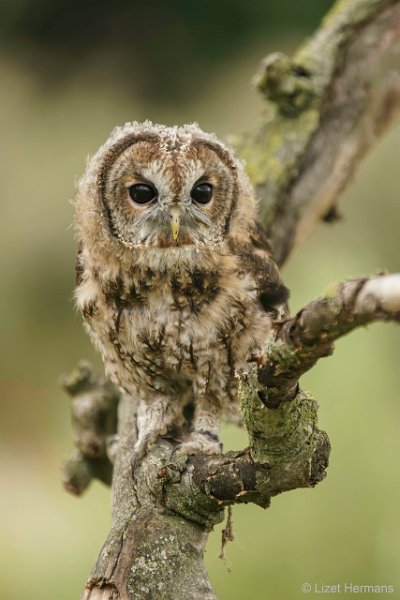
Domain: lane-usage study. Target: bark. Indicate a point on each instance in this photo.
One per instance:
(161, 518)
(324, 108)
(296, 346)
(94, 420)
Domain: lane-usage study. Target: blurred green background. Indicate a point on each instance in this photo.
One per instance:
(70, 71)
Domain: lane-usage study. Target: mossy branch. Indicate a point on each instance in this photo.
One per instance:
(94, 404)
(278, 430)
(300, 341)
(325, 107)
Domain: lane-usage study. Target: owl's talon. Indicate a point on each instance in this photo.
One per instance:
(202, 442)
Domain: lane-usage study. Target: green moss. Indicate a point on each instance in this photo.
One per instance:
(170, 489)
(331, 290)
(295, 90)
(285, 84)
(272, 156)
(353, 12)
(283, 431)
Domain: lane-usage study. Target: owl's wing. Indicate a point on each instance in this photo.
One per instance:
(256, 259)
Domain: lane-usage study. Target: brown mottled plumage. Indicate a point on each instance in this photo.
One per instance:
(177, 291)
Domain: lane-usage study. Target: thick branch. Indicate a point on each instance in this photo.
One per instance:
(287, 451)
(150, 552)
(160, 523)
(325, 108)
(302, 340)
(94, 402)
(276, 436)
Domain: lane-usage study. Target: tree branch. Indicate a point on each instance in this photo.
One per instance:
(299, 342)
(160, 524)
(94, 421)
(325, 108)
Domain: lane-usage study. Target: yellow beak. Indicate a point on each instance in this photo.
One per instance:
(175, 224)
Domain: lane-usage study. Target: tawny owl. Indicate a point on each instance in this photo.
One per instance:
(175, 279)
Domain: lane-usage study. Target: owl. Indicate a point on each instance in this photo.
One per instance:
(175, 279)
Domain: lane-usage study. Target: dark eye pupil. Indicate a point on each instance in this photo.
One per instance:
(202, 193)
(142, 193)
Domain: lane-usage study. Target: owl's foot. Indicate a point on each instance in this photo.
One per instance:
(201, 442)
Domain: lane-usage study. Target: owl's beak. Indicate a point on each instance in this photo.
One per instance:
(175, 223)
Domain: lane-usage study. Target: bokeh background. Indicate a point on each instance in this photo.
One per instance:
(70, 71)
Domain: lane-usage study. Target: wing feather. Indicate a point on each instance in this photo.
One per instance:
(256, 258)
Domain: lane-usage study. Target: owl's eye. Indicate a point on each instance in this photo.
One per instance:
(142, 193)
(202, 193)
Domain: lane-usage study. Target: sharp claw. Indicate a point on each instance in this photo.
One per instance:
(207, 444)
(209, 434)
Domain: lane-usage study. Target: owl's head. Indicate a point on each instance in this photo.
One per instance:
(163, 187)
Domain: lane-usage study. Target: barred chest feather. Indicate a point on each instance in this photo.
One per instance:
(174, 329)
